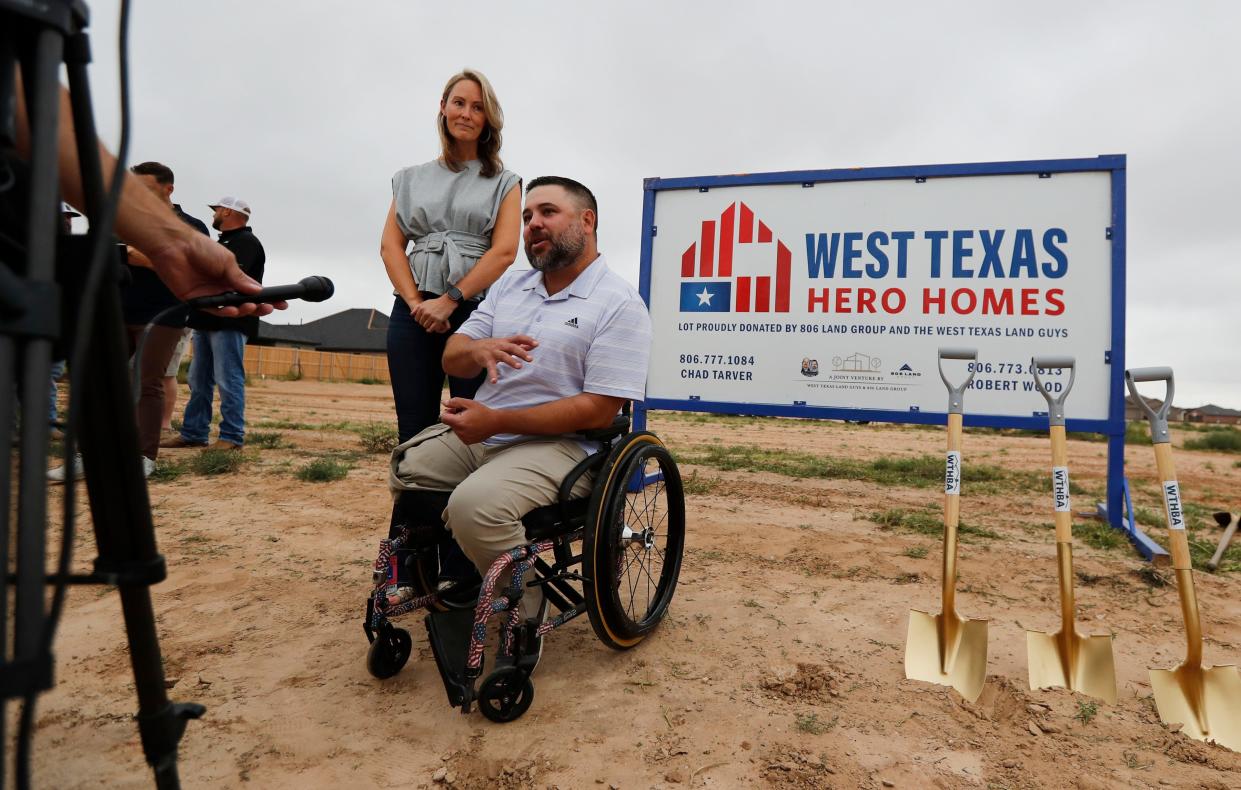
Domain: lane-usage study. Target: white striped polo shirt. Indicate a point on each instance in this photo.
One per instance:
(594, 336)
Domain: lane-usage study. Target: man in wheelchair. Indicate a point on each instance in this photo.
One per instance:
(564, 345)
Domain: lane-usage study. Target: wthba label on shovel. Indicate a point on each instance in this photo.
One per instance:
(1060, 488)
(952, 474)
(1172, 499)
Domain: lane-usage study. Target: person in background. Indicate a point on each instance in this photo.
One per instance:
(170, 381)
(220, 343)
(67, 213)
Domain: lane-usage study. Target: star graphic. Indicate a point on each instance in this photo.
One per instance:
(704, 298)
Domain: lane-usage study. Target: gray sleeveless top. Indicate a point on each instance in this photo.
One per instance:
(449, 217)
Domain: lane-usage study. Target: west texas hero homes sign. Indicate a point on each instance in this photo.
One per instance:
(838, 293)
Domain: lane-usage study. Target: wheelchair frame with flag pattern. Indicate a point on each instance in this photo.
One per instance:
(631, 530)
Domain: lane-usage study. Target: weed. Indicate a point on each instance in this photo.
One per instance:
(751, 603)
(323, 470)
(919, 471)
(809, 722)
(286, 425)
(166, 471)
(1226, 440)
(1133, 764)
(698, 486)
(1137, 432)
(267, 441)
(1100, 535)
(377, 437)
(916, 552)
(1086, 711)
(926, 523)
(294, 374)
(217, 462)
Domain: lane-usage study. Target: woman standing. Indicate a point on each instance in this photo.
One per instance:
(463, 215)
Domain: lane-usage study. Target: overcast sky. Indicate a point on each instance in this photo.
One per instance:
(306, 110)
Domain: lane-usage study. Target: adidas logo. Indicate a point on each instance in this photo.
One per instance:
(571, 322)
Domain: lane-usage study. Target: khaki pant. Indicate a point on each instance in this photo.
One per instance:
(492, 488)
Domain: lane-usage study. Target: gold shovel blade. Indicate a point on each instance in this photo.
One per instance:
(1176, 690)
(1088, 667)
(966, 659)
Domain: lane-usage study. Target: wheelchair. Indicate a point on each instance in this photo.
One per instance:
(615, 555)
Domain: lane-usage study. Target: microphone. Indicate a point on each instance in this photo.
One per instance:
(310, 289)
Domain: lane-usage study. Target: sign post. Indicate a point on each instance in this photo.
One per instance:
(826, 294)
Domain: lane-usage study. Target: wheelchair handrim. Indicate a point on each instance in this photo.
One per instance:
(627, 457)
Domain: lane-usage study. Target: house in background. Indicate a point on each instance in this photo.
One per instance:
(354, 331)
(1213, 414)
(1134, 412)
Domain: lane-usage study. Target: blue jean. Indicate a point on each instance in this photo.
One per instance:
(58, 370)
(218, 362)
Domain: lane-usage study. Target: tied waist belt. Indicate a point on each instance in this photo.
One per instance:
(446, 257)
(453, 242)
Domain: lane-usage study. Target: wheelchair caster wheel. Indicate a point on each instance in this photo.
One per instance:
(505, 695)
(389, 652)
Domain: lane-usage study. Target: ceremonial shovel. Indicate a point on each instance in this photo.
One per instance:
(945, 648)
(1229, 522)
(1066, 658)
(1206, 700)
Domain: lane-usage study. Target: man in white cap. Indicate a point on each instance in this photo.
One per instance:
(220, 343)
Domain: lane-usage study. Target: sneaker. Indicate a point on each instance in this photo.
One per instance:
(179, 441)
(148, 466)
(57, 475)
(397, 595)
(224, 445)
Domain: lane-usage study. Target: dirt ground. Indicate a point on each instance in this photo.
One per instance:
(780, 662)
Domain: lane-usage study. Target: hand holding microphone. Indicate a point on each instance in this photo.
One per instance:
(310, 289)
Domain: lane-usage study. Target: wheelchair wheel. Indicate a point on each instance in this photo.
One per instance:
(505, 695)
(389, 652)
(634, 539)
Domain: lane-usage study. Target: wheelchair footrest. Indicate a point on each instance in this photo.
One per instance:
(449, 635)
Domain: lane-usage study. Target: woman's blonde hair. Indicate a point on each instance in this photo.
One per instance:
(492, 137)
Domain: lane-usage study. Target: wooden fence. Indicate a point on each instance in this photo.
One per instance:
(301, 363)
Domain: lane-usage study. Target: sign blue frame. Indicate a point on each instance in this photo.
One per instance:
(1113, 426)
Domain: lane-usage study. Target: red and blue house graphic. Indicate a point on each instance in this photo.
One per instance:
(707, 268)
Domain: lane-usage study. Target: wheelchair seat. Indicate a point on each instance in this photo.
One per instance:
(554, 520)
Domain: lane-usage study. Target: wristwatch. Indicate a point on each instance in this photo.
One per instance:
(454, 293)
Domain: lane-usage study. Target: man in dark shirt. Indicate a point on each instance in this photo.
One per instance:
(220, 343)
(142, 299)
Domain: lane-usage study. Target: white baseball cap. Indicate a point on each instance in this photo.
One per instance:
(234, 203)
(68, 211)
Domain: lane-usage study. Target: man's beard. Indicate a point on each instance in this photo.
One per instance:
(215, 223)
(562, 252)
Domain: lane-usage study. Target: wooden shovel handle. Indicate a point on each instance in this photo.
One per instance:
(1060, 484)
(1179, 542)
(952, 512)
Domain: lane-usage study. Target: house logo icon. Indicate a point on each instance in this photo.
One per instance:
(707, 280)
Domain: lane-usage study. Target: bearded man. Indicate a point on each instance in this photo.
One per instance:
(564, 345)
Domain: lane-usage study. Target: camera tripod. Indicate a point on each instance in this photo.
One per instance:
(50, 296)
